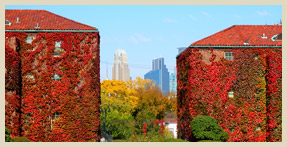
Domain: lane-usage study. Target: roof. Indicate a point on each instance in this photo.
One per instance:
(170, 120)
(243, 35)
(39, 20)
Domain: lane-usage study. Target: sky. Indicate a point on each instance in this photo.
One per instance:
(147, 32)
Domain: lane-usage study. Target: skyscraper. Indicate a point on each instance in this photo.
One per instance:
(159, 75)
(121, 70)
(172, 83)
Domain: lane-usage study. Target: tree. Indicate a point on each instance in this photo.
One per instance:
(151, 103)
(131, 104)
(121, 102)
(173, 102)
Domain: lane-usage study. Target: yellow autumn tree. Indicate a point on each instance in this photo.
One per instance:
(173, 102)
(151, 103)
(116, 95)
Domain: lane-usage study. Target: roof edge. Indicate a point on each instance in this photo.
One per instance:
(229, 46)
(35, 31)
(235, 46)
(56, 15)
(70, 19)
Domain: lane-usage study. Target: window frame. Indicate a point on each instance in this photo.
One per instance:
(56, 115)
(58, 49)
(228, 55)
(57, 79)
(30, 42)
(230, 94)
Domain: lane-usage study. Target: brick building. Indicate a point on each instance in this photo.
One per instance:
(52, 77)
(235, 76)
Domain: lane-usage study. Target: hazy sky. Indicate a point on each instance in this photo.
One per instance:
(149, 32)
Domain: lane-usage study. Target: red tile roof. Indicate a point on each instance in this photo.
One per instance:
(237, 35)
(46, 20)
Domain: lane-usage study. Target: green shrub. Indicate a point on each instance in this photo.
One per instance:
(206, 128)
(7, 135)
(139, 138)
(225, 136)
(118, 125)
(20, 139)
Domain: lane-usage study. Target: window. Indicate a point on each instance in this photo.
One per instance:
(228, 55)
(56, 77)
(7, 22)
(56, 115)
(31, 77)
(29, 39)
(230, 94)
(256, 56)
(29, 115)
(277, 37)
(58, 50)
(58, 44)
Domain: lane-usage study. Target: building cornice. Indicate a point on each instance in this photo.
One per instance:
(35, 31)
(237, 46)
(229, 46)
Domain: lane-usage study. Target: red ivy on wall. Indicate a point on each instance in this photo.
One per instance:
(254, 77)
(75, 97)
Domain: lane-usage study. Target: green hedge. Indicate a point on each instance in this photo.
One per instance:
(206, 128)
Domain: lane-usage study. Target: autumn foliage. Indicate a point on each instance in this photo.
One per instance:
(33, 96)
(254, 77)
(132, 105)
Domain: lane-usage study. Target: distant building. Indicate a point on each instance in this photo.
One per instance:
(121, 70)
(172, 83)
(171, 125)
(159, 75)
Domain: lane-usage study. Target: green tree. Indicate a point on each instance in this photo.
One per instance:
(121, 102)
(7, 135)
(119, 125)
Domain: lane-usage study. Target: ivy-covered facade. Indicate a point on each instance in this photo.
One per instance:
(52, 77)
(234, 76)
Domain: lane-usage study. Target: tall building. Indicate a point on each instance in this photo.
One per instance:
(121, 70)
(172, 83)
(159, 75)
(52, 75)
